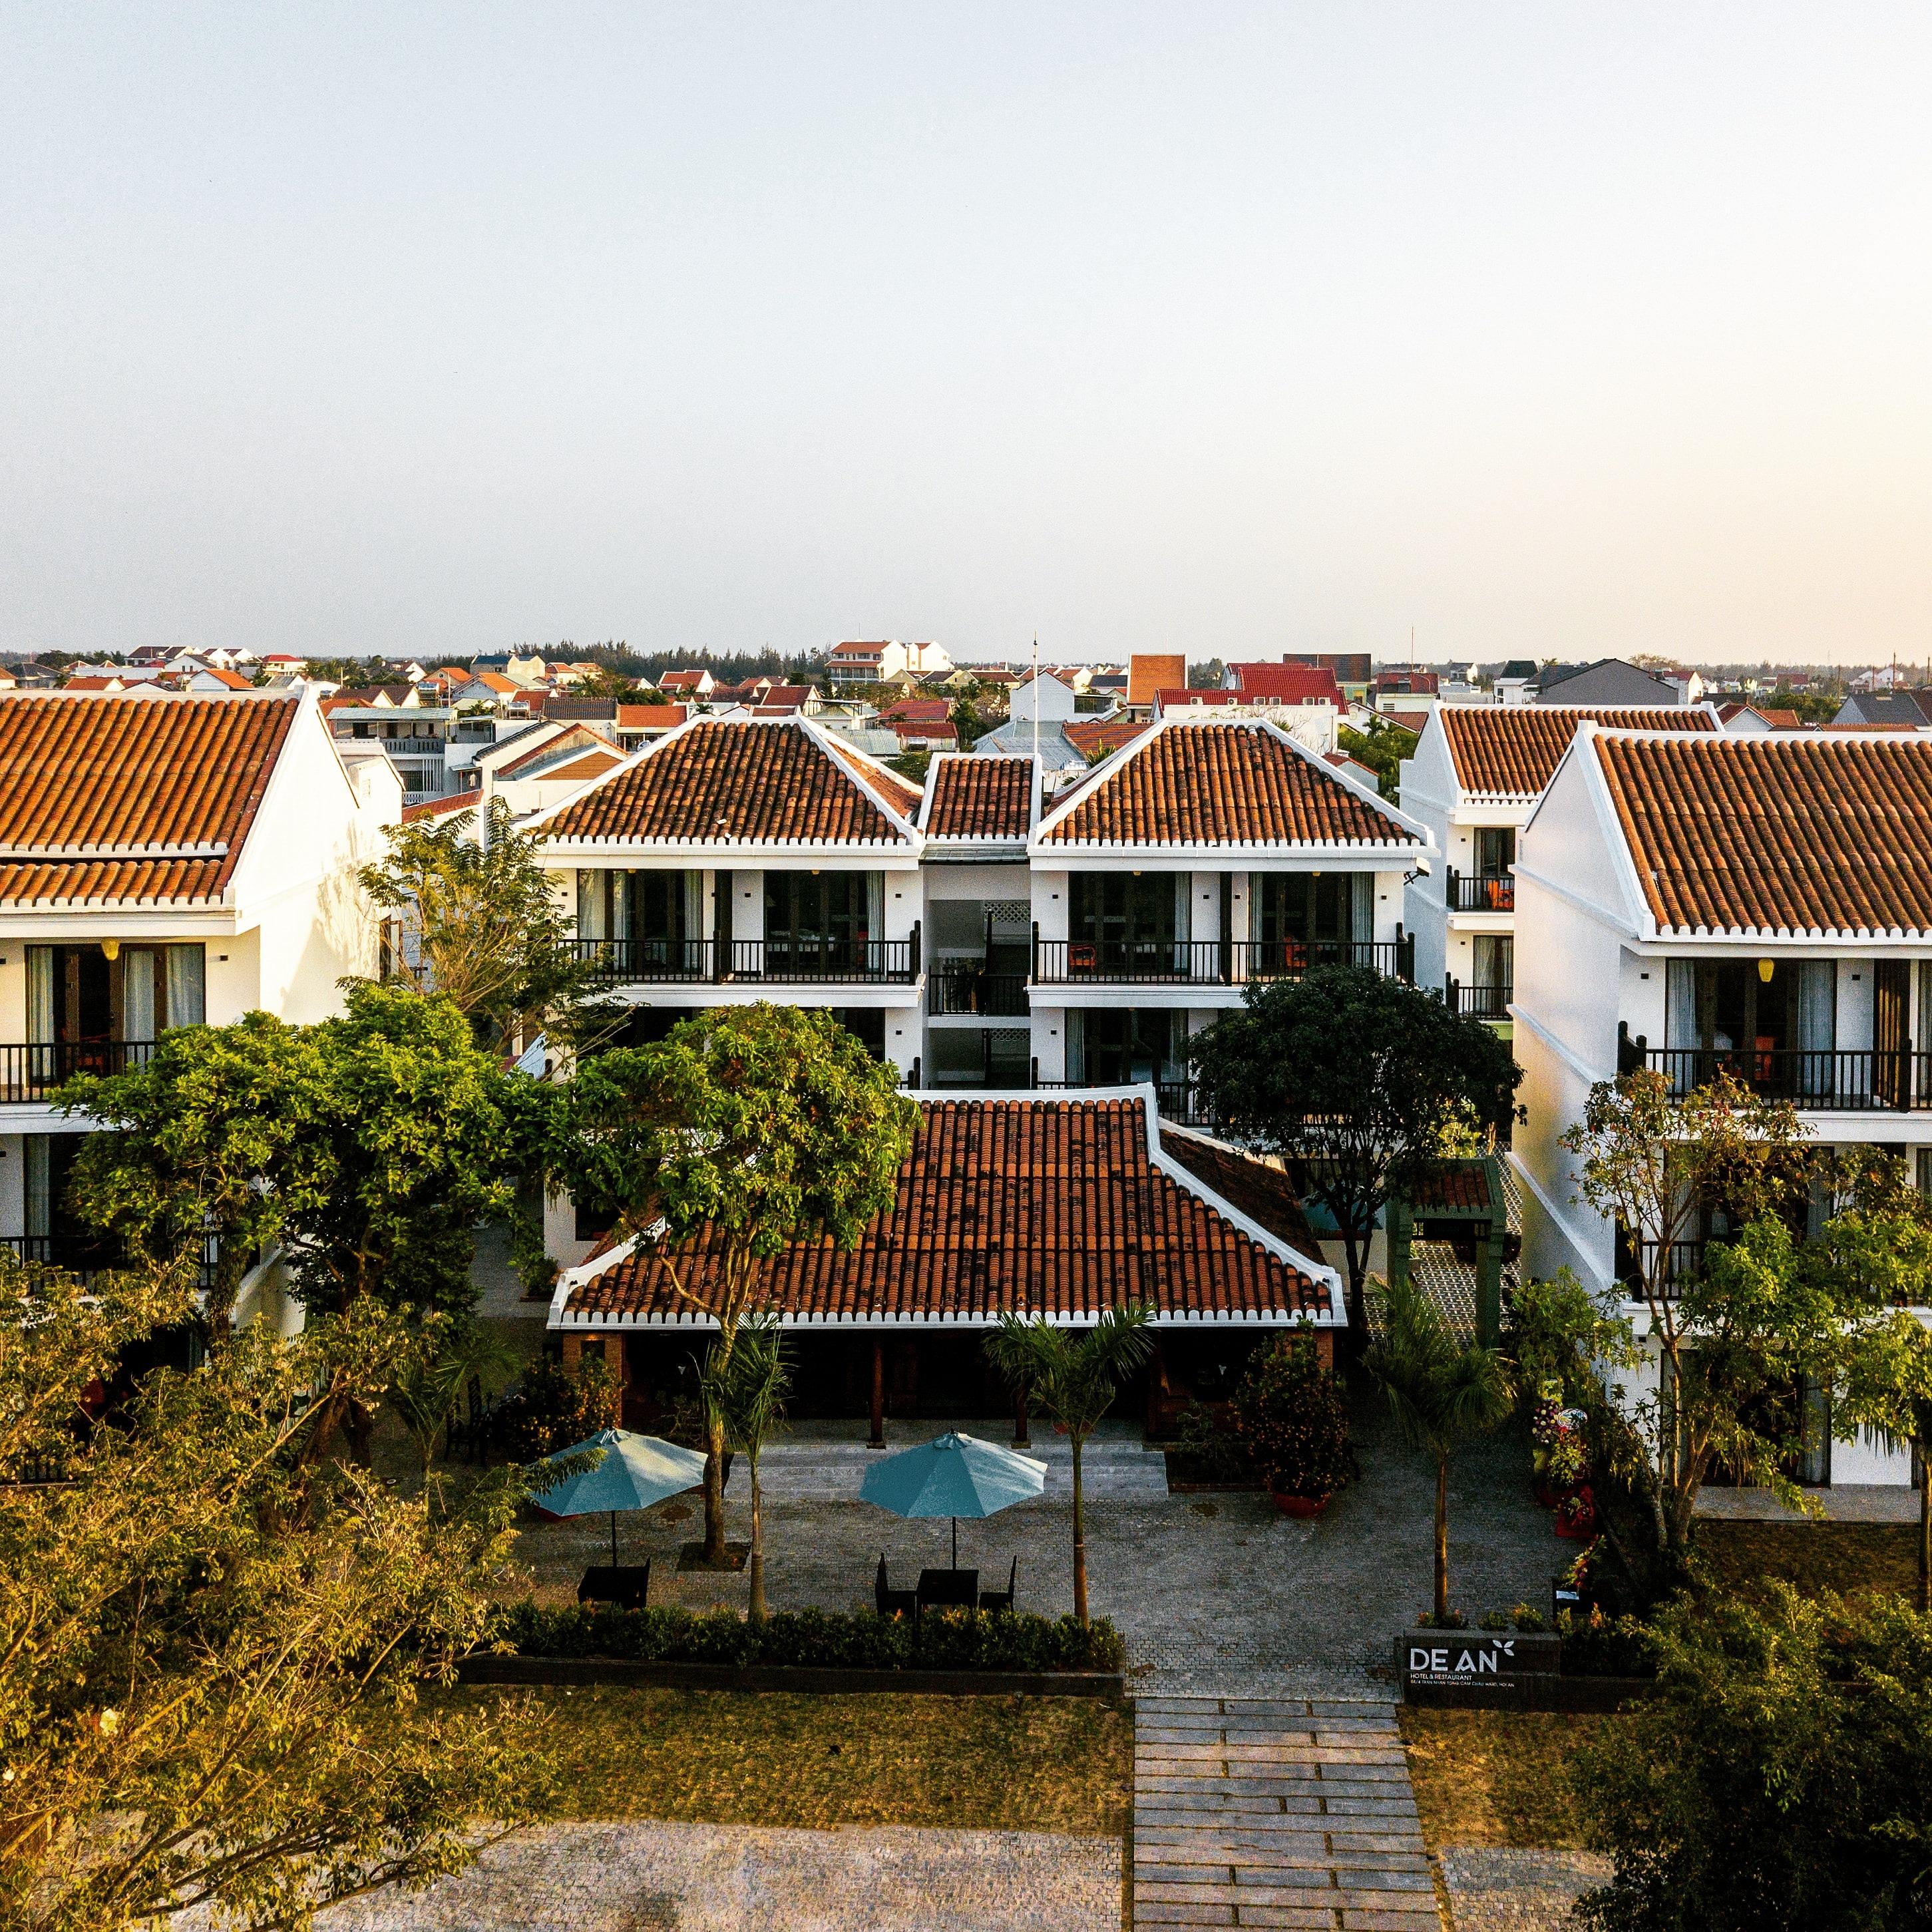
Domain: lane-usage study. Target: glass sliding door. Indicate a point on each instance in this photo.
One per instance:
(821, 925)
(1129, 923)
(1310, 919)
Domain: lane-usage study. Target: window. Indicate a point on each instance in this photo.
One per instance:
(822, 919)
(1494, 958)
(1129, 918)
(1112, 1048)
(1778, 1030)
(1495, 850)
(77, 996)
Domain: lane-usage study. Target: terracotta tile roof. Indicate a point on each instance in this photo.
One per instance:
(1454, 1187)
(1150, 671)
(1784, 832)
(1237, 782)
(917, 711)
(720, 782)
(1778, 718)
(1090, 735)
(1050, 1207)
(1288, 683)
(120, 797)
(1512, 751)
(974, 796)
(439, 808)
(576, 737)
(651, 717)
(1262, 1193)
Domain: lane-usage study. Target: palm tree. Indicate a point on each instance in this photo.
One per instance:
(442, 1359)
(748, 1396)
(1439, 1392)
(1074, 1381)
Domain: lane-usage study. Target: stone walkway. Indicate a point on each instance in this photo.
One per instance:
(1276, 1811)
(1493, 1890)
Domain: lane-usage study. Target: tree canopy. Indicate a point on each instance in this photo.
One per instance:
(1359, 1082)
(477, 922)
(216, 1645)
(753, 1126)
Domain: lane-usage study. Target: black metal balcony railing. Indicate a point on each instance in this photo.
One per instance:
(1851, 1082)
(1480, 892)
(796, 962)
(1684, 1261)
(1210, 962)
(85, 1257)
(965, 986)
(31, 1072)
(1477, 1003)
(1179, 1100)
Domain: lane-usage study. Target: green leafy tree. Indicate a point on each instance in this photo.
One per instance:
(197, 1130)
(217, 1647)
(1781, 1778)
(1440, 1393)
(476, 922)
(1875, 1259)
(748, 1394)
(1356, 1081)
(1730, 1321)
(741, 1131)
(1382, 748)
(1073, 1379)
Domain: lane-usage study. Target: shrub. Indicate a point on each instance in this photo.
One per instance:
(1448, 1620)
(820, 1639)
(1530, 1622)
(1290, 1414)
(1595, 1645)
(1780, 1779)
(555, 1406)
(1493, 1620)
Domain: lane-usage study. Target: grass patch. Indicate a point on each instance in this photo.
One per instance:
(1497, 1777)
(731, 1757)
(1855, 1559)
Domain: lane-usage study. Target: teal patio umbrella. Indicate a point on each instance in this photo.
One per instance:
(632, 1472)
(953, 1475)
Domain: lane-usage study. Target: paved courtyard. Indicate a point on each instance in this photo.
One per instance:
(1206, 1588)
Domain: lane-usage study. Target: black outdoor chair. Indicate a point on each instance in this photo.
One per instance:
(889, 1602)
(1001, 1599)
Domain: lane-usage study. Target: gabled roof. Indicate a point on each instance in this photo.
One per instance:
(968, 797)
(730, 781)
(1090, 735)
(1287, 683)
(578, 751)
(1512, 751)
(1784, 833)
(651, 717)
(118, 797)
(1062, 1208)
(1221, 782)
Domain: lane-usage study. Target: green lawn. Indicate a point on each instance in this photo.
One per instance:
(1853, 1559)
(1040, 1764)
(1497, 1777)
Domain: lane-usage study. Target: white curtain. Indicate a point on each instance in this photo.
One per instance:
(1817, 1005)
(1680, 1020)
(694, 906)
(40, 994)
(590, 924)
(875, 919)
(1362, 910)
(137, 992)
(187, 992)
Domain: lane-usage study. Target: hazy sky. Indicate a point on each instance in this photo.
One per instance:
(1548, 328)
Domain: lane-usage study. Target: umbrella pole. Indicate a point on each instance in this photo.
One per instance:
(613, 1542)
(955, 1543)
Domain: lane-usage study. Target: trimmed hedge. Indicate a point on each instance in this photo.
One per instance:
(952, 1639)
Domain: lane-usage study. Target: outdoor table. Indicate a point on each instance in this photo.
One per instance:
(626, 1585)
(944, 1587)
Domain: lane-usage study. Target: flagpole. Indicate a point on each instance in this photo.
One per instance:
(1036, 709)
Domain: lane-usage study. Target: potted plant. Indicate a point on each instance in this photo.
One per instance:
(1290, 1414)
(1576, 1514)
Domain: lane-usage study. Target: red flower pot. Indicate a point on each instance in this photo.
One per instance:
(1287, 1504)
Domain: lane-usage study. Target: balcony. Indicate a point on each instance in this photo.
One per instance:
(956, 986)
(1209, 962)
(30, 1073)
(1177, 1099)
(753, 961)
(1476, 1003)
(1856, 1082)
(1480, 892)
(85, 1258)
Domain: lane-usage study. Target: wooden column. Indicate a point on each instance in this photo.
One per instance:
(878, 1436)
